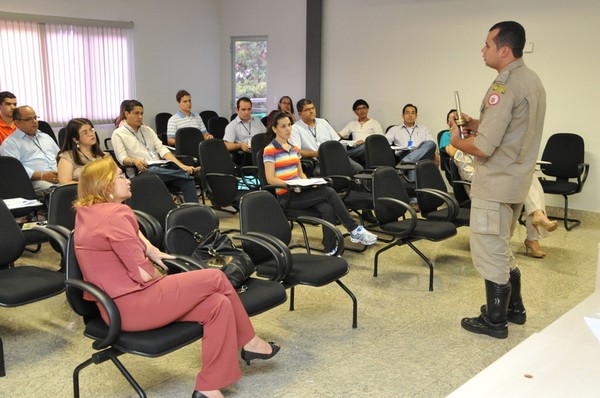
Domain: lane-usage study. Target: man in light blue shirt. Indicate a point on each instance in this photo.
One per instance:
(184, 118)
(240, 130)
(35, 150)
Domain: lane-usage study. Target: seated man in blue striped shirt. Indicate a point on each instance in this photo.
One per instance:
(184, 118)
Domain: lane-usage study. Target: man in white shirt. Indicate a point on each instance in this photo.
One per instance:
(35, 150)
(138, 145)
(184, 118)
(239, 132)
(359, 130)
(415, 139)
(310, 132)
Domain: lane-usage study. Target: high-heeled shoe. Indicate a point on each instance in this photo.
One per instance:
(248, 356)
(539, 219)
(533, 249)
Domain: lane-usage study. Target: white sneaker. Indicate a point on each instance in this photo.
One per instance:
(331, 253)
(361, 235)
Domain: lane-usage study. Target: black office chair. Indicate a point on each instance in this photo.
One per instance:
(435, 203)
(565, 154)
(398, 218)
(61, 136)
(151, 200)
(206, 116)
(187, 140)
(378, 152)
(109, 340)
(60, 206)
(45, 127)
(445, 159)
(24, 284)
(15, 183)
(216, 126)
(161, 120)
(221, 178)
(459, 186)
(260, 213)
(257, 295)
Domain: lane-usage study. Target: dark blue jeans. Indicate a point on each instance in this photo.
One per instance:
(327, 202)
(174, 175)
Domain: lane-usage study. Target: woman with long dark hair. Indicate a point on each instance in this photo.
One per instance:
(79, 148)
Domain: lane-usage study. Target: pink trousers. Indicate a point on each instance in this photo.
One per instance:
(206, 297)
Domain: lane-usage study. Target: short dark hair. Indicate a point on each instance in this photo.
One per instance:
(6, 94)
(358, 103)
(16, 115)
(409, 106)
(181, 94)
(128, 105)
(512, 35)
(449, 113)
(300, 104)
(240, 100)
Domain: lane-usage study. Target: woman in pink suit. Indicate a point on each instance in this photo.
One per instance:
(115, 256)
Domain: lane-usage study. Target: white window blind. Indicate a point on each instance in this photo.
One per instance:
(67, 70)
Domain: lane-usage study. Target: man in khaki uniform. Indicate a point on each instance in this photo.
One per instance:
(505, 143)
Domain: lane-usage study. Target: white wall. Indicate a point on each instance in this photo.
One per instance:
(392, 52)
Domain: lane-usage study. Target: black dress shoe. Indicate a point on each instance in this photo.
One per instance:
(482, 325)
(198, 394)
(247, 356)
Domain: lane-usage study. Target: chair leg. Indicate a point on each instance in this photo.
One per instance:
(424, 257)
(570, 223)
(2, 369)
(376, 261)
(292, 290)
(354, 304)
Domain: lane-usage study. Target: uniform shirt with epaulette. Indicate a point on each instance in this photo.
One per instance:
(510, 131)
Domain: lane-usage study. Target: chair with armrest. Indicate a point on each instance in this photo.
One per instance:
(435, 203)
(564, 159)
(216, 126)
(396, 217)
(261, 214)
(257, 295)
(24, 284)
(206, 116)
(187, 140)
(45, 127)
(221, 179)
(445, 159)
(161, 120)
(378, 152)
(110, 341)
(15, 183)
(459, 186)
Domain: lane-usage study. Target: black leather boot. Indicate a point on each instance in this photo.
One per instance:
(516, 310)
(493, 322)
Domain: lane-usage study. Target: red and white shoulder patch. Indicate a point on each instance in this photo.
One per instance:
(493, 99)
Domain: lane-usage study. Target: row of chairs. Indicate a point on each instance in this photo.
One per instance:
(212, 121)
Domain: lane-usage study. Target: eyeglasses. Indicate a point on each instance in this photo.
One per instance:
(89, 132)
(29, 119)
(360, 108)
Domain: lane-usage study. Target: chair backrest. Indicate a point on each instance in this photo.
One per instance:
(150, 195)
(233, 116)
(216, 126)
(387, 183)
(257, 144)
(334, 160)
(215, 159)
(378, 152)
(12, 242)
(45, 127)
(206, 116)
(15, 183)
(564, 151)
(429, 176)
(195, 217)
(445, 159)
(187, 140)
(61, 137)
(264, 120)
(60, 206)
(460, 191)
(260, 212)
(81, 306)
(161, 120)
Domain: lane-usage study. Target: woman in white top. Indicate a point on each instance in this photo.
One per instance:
(79, 148)
(359, 130)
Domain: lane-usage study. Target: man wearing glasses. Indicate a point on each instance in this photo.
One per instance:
(35, 150)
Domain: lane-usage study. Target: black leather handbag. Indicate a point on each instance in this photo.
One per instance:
(216, 250)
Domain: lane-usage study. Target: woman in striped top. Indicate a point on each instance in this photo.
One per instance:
(282, 163)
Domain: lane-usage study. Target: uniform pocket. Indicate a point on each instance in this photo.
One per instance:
(485, 217)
